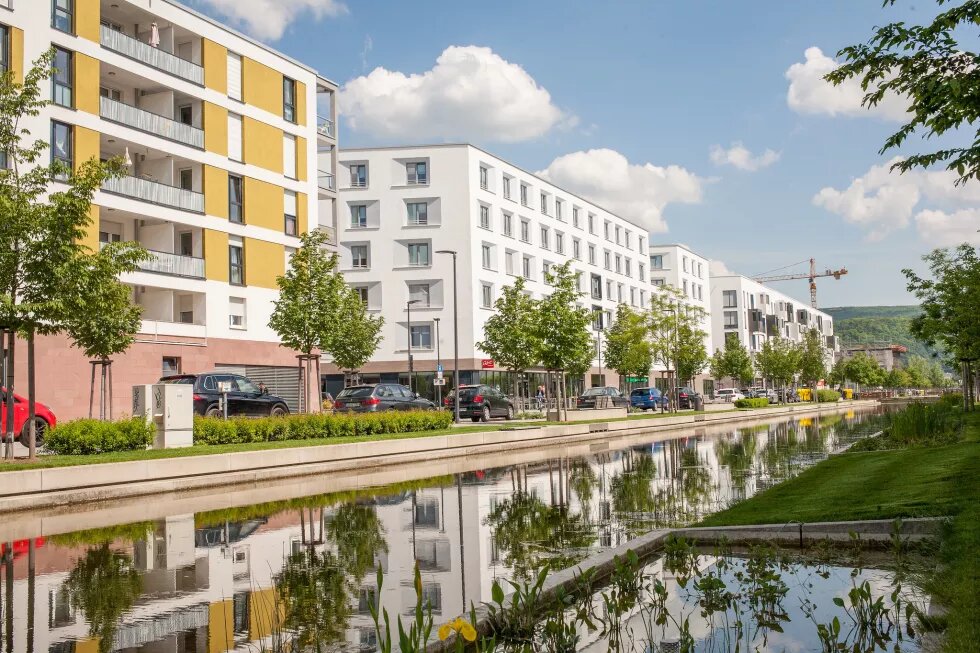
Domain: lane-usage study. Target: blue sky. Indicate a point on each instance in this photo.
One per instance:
(649, 82)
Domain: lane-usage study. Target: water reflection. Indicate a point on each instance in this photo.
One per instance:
(205, 582)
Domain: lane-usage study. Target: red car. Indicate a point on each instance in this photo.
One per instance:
(43, 418)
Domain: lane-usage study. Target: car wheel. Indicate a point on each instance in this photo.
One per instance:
(510, 411)
(485, 417)
(475, 419)
(40, 428)
(278, 411)
(213, 411)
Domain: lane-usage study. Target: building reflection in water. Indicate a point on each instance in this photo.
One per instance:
(207, 582)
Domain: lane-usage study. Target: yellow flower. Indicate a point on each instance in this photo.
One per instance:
(458, 624)
(468, 632)
(445, 630)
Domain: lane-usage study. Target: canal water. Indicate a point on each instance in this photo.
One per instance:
(202, 579)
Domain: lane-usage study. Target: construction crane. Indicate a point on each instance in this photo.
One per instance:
(812, 277)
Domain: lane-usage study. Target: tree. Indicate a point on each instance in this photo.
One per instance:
(864, 370)
(950, 306)
(777, 361)
(104, 584)
(897, 378)
(357, 334)
(811, 367)
(918, 372)
(563, 328)
(510, 335)
(734, 361)
(628, 348)
(306, 315)
(676, 338)
(691, 354)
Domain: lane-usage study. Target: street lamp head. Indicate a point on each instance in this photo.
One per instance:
(446, 251)
(413, 301)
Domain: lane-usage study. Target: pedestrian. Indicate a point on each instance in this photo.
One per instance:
(540, 397)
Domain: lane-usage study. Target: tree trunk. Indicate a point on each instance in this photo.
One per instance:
(31, 404)
(91, 392)
(8, 436)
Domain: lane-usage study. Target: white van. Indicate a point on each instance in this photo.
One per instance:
(728, 395)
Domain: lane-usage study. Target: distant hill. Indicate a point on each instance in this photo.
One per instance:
(869, 324)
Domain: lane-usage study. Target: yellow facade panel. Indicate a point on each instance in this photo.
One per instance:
(264, 204)
(215, 129)
(87, 645)
(302, 219)
(216, 192)
(17, 54)
(262, 86)
(86, 145)
(91, 237)
(264, 261)
(86, 83)
(300, 103)
(262, 144)
(221, 626)
(215, 58)
(301, 165)
(88, 16)
(216, 255)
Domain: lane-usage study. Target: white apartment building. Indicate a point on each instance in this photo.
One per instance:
(222, 142)
(400, 206)
(753, 312)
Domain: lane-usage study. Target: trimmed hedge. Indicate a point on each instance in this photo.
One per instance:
(240, 430)
(827, 395)
(757, 402)
(92, 436)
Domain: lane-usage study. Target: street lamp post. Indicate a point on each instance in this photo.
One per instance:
(408, 307)
(455, 334)
(438, 364)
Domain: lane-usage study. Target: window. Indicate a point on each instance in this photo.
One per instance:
(619, 264)
(596, 286)
(577, 248)
(509, 262)
(487, 295)
(575, 216)
(290, 227)
(700, 294)
(685, 287)
(484, 178)
(729, 299)
(506, 187)
(619, 232)
(658, 282)
(185, 243)
(236, 200)
(508, 224)
(560, 243)
(657, 262)
(62, 147)
(633, 296)
(699, 272)
(358, 176)
(419, 292)
(592, 254)
(526, 267)
(607, 260)
(731, 319)
(235, 76)
(591, 224)
(289, 155)
(544, 203)
(484, 216)
(558, 209)
(642, 272)
(684, 263)
(362, 292)
(418, 213)
(358, 216)
(289, 99)
(418, 254)
(524, 194)
(487, 257)
(236, 264)
(359, 256)
(4, 48)
(628, 239)
(629, 268)
(234, 137)
(236, 312)
(544, 238)
(171, 365)
(418, 172)
(619, 293)
(422, 336)
(609, 289)
(605, 229)
(643, 299)
(61, 79)
(185, 114)
(63, 16)
(525, 231)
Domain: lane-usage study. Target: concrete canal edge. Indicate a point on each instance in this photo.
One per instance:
(67, 486)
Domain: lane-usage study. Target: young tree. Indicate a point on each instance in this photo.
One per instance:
(628, 348)
(563, 328)
(510, 335)
(926, 67)
(777, 361)
(864, 370)
(734, 361)
(810, 366)
(676, 339)
(691, 354)
(918, 372)
(306, 315)
(357, 335)
(897, 378)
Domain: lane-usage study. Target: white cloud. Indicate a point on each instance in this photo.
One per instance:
(718, 269)
(268, 19)
(882, 201)
(638, 192)
(740, 157)
(948, 230)
(470, 94)
(810, 93)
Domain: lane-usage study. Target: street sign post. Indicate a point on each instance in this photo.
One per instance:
(439, 381)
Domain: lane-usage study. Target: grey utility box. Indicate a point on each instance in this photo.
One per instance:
(170, 408)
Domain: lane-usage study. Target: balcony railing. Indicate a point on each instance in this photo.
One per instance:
(160, 59)
(326, 181)
(155, 193)
(151, 123)
(325, 127)
(171, 264)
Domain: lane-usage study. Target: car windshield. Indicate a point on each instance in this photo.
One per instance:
(594, 392)
(467, 393)
(364, 391)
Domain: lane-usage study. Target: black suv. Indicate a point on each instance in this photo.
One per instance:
(686, 396)
(480, 403)
(377, 397)
(245, 398)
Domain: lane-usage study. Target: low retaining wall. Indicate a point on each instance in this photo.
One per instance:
(63, 486)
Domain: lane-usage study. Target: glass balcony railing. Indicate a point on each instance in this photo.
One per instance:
(326, 181)
(160, 59)
(151, 123)
(325, 127)
(155, 193)
(172, 264)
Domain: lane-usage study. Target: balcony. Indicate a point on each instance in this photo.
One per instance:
(155, 193)
(325, 127)
(158, 58)
(326, 181)
(150, 123)
(175, 265)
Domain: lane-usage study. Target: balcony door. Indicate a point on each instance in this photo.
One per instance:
(185, 243)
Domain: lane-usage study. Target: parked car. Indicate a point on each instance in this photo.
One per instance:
(245, 399)
(648, 398)
(788, 395)
(686, 396)
(728, 394)
(480, 403)
(379, 397)
(588, 398)
(769, 394)
(43, 418)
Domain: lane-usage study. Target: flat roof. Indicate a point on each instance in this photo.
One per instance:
(480, 149)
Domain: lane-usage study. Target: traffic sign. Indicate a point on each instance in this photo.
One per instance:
(439, 368)
(439, 381)
(438, 374)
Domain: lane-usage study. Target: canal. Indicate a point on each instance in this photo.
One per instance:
(197, 574)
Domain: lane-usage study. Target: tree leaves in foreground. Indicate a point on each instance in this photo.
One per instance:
(510, 335)
(357, 335)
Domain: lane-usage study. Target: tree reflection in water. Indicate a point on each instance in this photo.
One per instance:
(104, 584)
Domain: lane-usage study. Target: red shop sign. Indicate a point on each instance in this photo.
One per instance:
(487, 363)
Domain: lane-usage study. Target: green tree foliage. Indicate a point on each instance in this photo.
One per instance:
(315, 595)
(676, 338)
(811, 358)
(925, 66)
(918, 371)
(733, 361)
(357, 335)
(863, 369)
(104, 584)
(777, 361)
(563, 325)
(628, 348)
(510, 336)
(898, 378)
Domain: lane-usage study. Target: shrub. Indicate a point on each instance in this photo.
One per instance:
(242, 430)
(826, 395)
(757, 402)
(91, 436)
